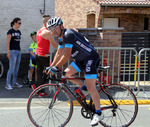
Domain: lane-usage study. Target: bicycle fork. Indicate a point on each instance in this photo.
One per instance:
(55, 95)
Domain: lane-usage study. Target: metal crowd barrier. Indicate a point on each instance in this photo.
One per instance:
(143, 70)
(122, 62)
(127, 67)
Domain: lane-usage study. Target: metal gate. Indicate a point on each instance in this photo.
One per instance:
(138, 41)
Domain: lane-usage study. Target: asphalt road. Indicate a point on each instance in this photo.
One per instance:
(13, 111)
(16, 116)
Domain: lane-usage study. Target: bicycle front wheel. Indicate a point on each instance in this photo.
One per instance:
(127, 107)
(53, 110)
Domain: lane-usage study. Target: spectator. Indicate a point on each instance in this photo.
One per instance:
(44, 39)
(13, 53)
(32, 62)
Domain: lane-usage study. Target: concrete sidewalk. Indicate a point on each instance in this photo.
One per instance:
(16, 94)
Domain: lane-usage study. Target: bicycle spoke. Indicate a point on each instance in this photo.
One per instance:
(125, 113)
(43, 112)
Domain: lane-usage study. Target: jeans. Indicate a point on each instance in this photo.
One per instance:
(14, 63)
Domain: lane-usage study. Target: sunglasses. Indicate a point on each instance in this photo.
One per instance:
(19, 23)
(54, 28)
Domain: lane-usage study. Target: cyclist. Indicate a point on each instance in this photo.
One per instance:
(86, 58)
(32, 62)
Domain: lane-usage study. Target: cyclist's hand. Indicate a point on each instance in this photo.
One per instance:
(54, 69)
(46, 70)
(51, 70)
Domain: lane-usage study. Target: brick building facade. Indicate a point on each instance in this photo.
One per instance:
(88, 17)
(85, 16)
(75, 14)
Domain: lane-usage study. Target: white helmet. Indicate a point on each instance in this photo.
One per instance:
(54, 22)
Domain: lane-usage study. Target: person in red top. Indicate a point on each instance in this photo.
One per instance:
(44, 39)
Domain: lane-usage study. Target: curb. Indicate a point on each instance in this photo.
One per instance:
(123, 102)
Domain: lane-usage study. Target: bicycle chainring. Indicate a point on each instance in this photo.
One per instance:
(85, 114)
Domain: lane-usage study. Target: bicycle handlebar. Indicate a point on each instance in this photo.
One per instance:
(53, 77)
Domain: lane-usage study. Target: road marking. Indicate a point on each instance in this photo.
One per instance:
(121, 102)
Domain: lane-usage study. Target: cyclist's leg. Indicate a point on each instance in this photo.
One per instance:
(70, 71)
(91, 87)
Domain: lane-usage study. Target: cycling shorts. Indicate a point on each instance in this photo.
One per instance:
(31, 65)
(89, 66)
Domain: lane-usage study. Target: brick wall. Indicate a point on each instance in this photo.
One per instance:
(74, 12)
(132, 19)
(103, 37)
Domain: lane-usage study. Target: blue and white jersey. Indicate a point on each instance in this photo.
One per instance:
(81, 47)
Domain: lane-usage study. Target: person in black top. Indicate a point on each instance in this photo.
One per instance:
(13, 53)
(86, 58)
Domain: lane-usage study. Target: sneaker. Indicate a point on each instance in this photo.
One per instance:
(8, 87)
(42, 94)
(96, 119)
(33, 86)
(17, 85)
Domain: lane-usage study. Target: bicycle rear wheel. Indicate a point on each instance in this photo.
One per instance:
(43, 113)
(127, 106)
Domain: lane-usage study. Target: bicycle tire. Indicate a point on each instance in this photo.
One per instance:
(25, 80)
(126, 111)
(1, 69)
(42, 115)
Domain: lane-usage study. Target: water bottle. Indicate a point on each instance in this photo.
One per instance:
(78, 92)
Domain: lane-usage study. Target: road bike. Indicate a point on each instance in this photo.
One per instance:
(1, 69)
(118, 104)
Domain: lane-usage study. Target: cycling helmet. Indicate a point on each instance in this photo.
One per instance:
(54, 22)
(33, 33)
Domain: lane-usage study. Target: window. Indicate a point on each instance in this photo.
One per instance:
(146, 20)
(110, 22)
(91, 21)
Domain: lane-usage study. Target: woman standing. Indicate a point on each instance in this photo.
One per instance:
(13, 53)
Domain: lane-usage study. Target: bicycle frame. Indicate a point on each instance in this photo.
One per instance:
(83, 102)
(111, 96)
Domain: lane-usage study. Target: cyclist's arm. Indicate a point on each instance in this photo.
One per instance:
(57, 56)
(65, 57)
